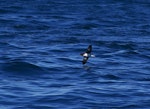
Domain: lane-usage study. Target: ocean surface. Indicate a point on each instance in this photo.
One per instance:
(40, 62)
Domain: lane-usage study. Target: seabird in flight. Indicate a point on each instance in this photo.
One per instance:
(87, 54)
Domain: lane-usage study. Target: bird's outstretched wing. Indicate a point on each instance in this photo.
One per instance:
(89, 49)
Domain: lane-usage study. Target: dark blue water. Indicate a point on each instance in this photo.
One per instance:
(40, 62)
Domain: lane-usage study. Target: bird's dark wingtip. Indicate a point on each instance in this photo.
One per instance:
(83, 62)
(89, 49)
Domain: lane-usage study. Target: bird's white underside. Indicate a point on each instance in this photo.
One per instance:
(85, 55)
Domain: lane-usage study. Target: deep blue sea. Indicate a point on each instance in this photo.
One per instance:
(40, 62)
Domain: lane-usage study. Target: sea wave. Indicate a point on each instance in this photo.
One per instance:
(22, 68)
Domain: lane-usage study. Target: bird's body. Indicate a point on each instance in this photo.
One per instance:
(87, 54)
